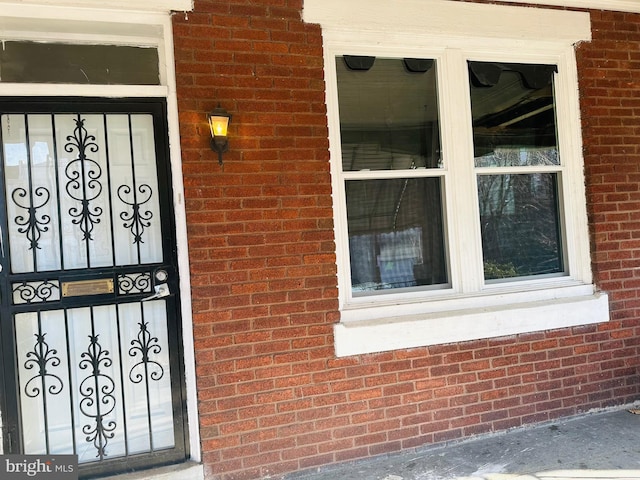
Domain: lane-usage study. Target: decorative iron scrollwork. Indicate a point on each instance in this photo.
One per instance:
(136, 220)
(134, 283)
(98, 400)
(83, 174)
(32, 225)
(33, 292)
(42, 357)
(144, 345)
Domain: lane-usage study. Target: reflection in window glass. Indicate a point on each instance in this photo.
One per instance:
(35, 62)
(396, 235)
(388, 113)
(513, 115)
(520, 225)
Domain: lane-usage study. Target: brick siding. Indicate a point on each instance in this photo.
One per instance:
(272, 396)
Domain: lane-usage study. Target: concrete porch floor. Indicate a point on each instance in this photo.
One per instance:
(596, 446)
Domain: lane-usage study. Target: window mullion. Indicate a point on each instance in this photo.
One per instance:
(461, 194)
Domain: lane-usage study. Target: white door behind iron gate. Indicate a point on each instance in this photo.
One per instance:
(89, 284)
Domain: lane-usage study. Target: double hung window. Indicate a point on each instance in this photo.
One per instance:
(390, 144)
(394, 176)
(518, 170)
(458, 182)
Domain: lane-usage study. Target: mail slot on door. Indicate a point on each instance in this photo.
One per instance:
(80, 288)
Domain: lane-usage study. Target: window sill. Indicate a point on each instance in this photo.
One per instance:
(423, 329)
(182, 471)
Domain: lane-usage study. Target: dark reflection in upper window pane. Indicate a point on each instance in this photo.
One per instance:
(32, 62)
(388, 113)
(513, 114)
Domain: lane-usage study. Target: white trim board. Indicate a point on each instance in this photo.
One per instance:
(632, 6)
(140, 5)
(422, 18)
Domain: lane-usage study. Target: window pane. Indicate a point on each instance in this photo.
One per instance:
(520, 225)
(396, 235)
(33, 62)
(388, 113)
(513, 114)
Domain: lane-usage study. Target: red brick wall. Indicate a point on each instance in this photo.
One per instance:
(609, 70)
(272, 396)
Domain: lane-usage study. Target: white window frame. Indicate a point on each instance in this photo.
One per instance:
(470, 309)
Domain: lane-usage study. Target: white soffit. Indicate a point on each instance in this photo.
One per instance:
(139, 5)
(451, 18)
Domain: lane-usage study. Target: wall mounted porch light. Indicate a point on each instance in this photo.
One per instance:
(218, 123)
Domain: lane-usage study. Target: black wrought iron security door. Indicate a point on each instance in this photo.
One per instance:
(89, 284)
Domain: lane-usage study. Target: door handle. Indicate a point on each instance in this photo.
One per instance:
(162, 290)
